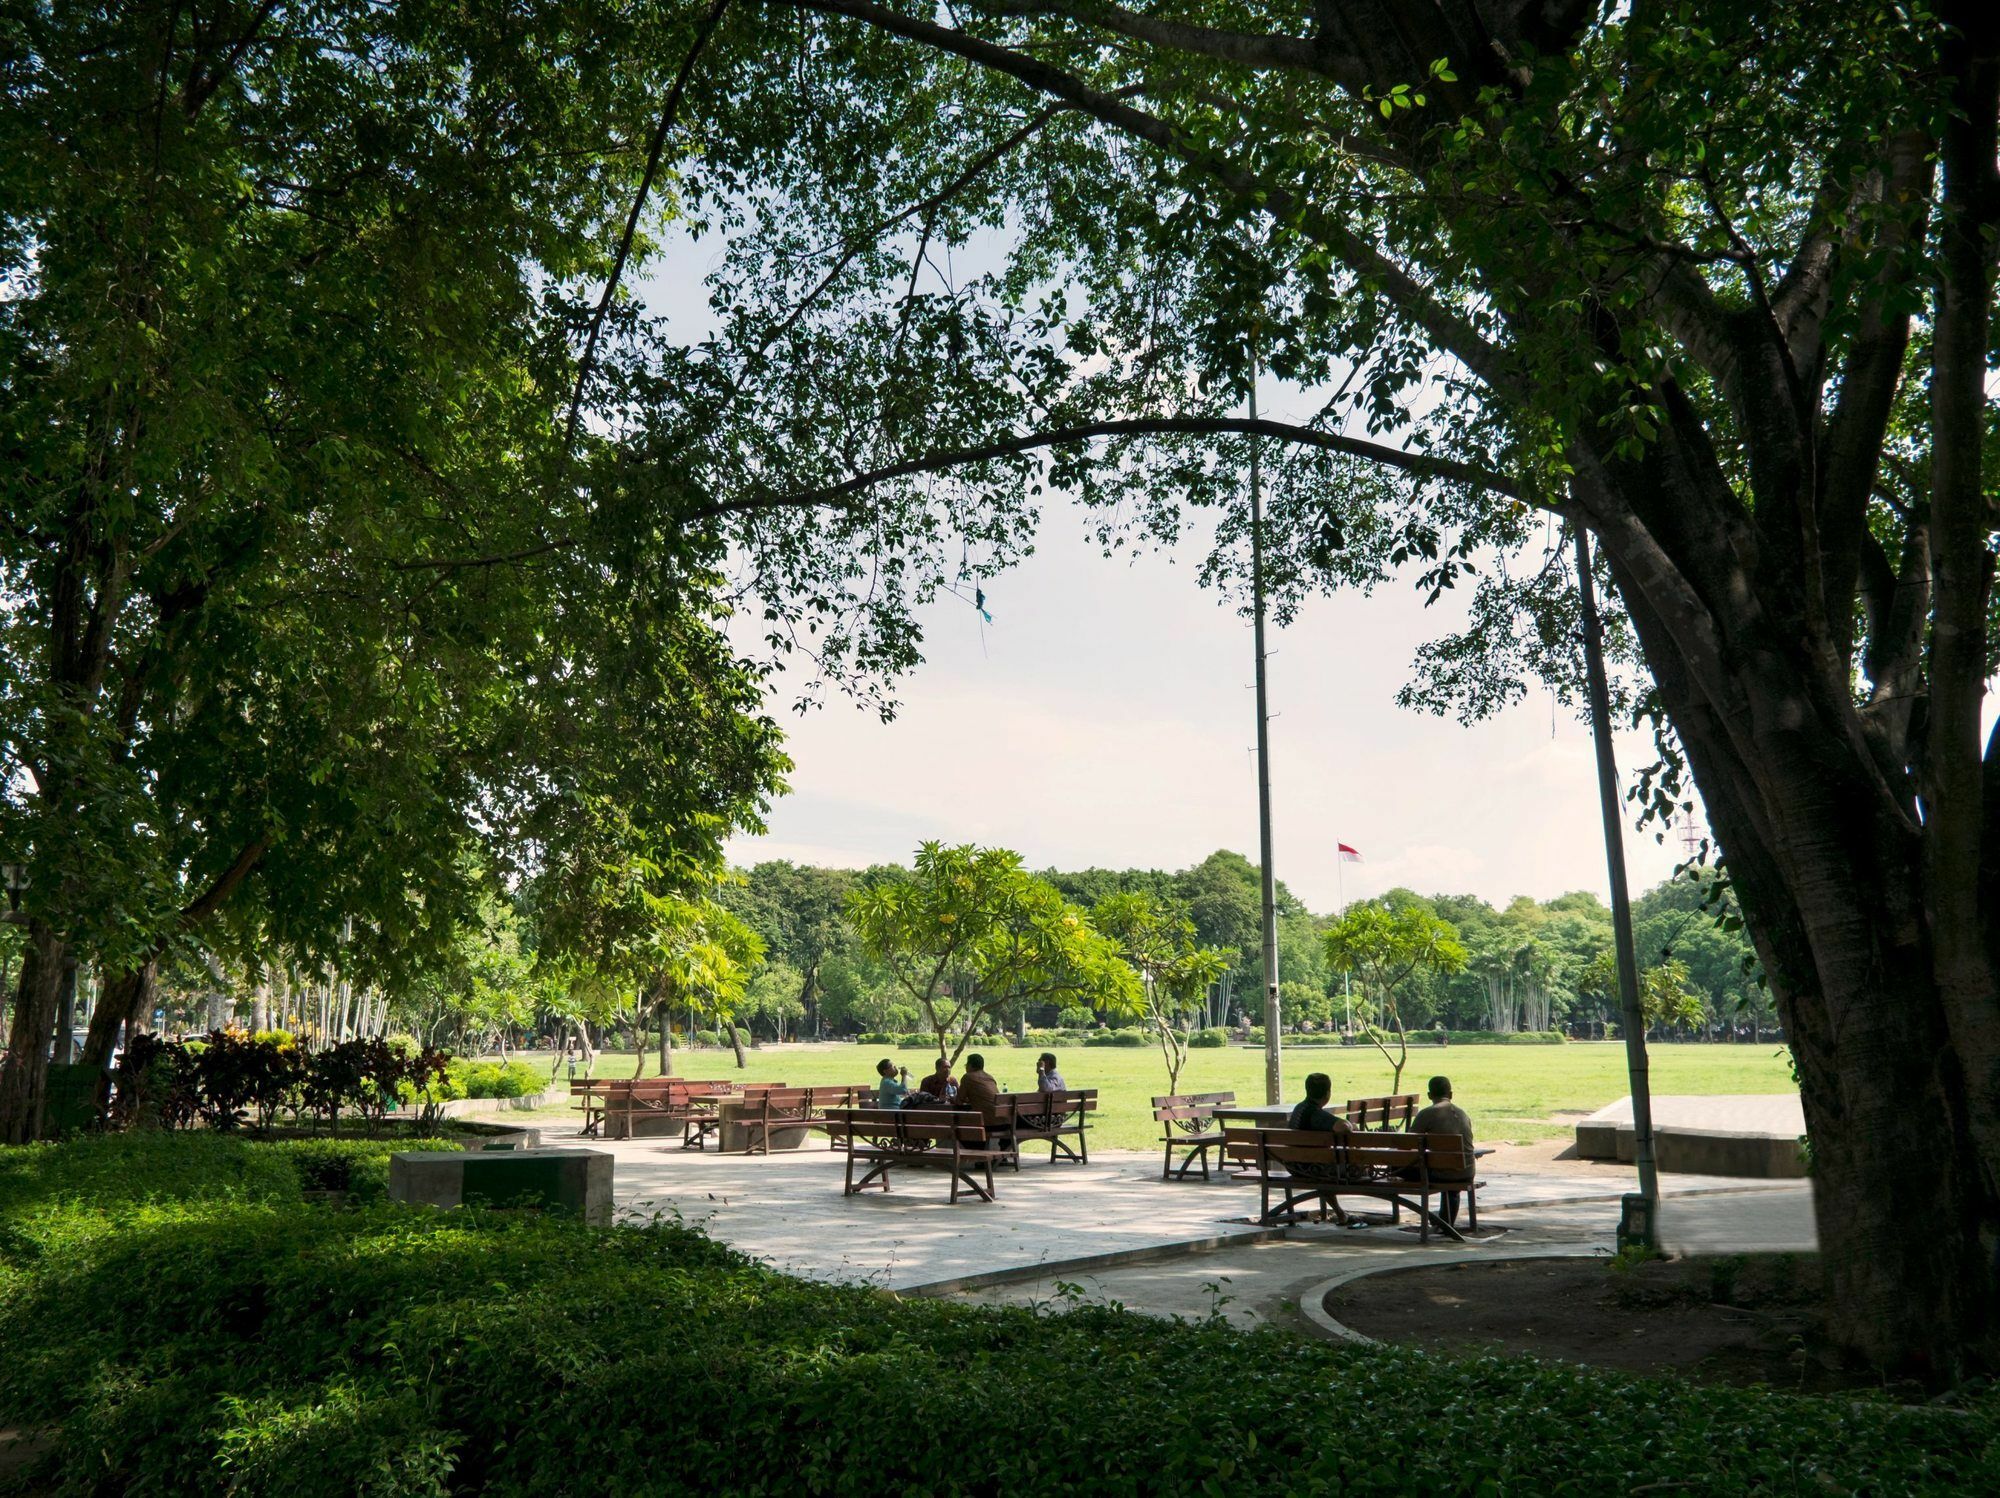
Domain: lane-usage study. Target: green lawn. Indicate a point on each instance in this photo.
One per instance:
(1512, 1092)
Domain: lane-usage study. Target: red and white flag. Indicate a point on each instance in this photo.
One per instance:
(1347, 854)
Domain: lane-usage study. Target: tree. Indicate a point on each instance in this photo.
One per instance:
(286, 382)
(1157, 939)
(1714, 284)
(1389, 950)
(772, 999)
(1666, 997)
(971, 934)
(699, 959)
(801, 912)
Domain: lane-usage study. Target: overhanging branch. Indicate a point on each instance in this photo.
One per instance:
(1420, 465)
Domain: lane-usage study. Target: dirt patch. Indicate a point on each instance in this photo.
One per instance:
(1748, 1319)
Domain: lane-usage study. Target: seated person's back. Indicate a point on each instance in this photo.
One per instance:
(1312, 1112)
(977, 1089)
(1444, 1116)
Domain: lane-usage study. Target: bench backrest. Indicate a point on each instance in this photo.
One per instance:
(1028, 1108)
(1352, 1156)
(645, 1086)
(803, 1100)
(1382, 1112)
(1189, 1110)
(913, 1128)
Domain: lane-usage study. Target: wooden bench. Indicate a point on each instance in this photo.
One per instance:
(1406, 1170)
(888, 1139)
(1383, 1113)
(705, 1119)
(1187, 1122)
(789, 1108)
(630, 1109)
(1052, 1117)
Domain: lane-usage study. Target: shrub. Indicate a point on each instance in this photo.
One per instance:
(494, 1079)
(708, 1037)
(1209, 1039)
(1517, 1037)
(221, 1078)
(1118, 1037)
(878, 1037)
(241, 1338)
(917, 1043)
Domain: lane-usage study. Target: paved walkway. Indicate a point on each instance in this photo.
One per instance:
(1263, 1284)
(788, 1209)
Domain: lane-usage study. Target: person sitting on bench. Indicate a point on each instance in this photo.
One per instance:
(1313, 1113)
(1047, 1078)
(977, 1089)
(1445, 1117)
(894, 1087)
(938, 1086)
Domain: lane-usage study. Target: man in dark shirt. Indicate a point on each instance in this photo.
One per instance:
(976, 1089)
(1312, 1113)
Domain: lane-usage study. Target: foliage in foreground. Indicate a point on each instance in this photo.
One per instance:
(193, 1324)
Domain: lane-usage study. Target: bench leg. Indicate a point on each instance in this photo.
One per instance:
(1167, 1170)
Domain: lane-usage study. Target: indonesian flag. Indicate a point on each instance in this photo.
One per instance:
(1347, 854)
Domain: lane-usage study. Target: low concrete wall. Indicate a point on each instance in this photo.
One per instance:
(1754, 1135)
(465, 1106)
(570, 1180)
(1716, 1152)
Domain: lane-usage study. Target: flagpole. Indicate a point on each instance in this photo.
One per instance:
(1340, 894)
(1274, 1063)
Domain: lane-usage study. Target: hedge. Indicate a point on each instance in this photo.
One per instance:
(493, 1079)
(1119, 1037)
(225, 1334)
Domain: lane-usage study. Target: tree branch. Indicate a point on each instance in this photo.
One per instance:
(1450, 331)
(202, 86)
(1418, 464)
(654, 150)
(209, 900)
(1225, 46)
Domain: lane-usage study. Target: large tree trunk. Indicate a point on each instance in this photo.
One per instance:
(127, 1002)
(24, 1075)
(1900, 1103)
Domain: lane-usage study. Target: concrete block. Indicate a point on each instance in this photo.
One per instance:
(1718, 1152)
(570, 1180)
(1597, 1140)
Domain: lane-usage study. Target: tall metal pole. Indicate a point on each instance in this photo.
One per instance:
(1274, 1060)
(1642, 1226)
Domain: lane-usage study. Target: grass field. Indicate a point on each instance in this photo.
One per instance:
(1512, 1092)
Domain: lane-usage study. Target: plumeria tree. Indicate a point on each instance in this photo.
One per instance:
(1157, 939)
(971, 935)
(1391, 950)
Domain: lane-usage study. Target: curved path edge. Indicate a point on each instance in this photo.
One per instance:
(1313, 1302)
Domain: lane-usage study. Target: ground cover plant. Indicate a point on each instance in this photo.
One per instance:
(183, 1318)
(1513, 1092)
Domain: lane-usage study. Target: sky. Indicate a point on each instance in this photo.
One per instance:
(1106, 718)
